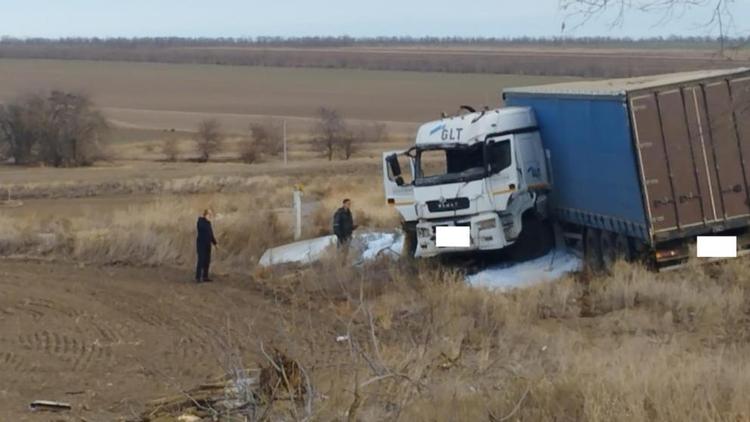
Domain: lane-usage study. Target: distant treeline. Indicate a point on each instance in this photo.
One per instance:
(427, 54)
(346, 41)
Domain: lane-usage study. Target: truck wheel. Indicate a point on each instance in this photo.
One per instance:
(410, 244)
(608, 250)
(536, 239)
(622, 248)
(592, 251)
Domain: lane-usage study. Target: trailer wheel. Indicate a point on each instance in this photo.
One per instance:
(592, 250)
(622, 248)
(608, 249)
(536, 239)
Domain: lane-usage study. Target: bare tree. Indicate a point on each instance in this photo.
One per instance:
(20, 128)
(349, 144)
(720, 11)
(372, 133)
(209, 138)
(268, 137)
(62, 129)
(170, 149)
(330, 132)
(249, 151)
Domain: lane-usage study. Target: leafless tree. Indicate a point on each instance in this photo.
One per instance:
(209, 138)
(268, 137)
(369, 133)
(170, 149)
(349, 143)
(249, 151)
(720, 11)
(372, 133)
(20, 128)
(62, 129)
(331, 132)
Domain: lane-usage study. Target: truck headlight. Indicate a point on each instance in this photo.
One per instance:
(487, 224)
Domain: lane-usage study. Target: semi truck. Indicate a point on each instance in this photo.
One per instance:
(619, 169)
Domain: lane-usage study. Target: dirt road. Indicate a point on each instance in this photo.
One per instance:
(108, 339)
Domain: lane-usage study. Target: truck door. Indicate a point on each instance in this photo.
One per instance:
(730, 167)
(398, 182)
(502, 171)
(686, 190)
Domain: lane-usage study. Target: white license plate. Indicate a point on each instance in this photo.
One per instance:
(717, 247)
(452, 237)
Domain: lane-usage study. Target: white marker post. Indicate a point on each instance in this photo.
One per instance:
(285, 147)
(297, 213)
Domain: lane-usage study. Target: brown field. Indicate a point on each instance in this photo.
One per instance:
(594, 59)
(97, 308)
(169, 96)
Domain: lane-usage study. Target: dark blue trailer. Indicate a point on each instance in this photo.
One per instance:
(647, 163)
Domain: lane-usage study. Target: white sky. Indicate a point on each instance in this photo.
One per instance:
(240, 18)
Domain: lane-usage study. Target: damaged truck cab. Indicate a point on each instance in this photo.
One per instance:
(482, 170)
(633, 168)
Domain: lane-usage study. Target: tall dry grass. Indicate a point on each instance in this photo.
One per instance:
(252, 214)
(423, 346)
(160, 233)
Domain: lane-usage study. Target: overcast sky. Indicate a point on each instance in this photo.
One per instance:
(243, 18)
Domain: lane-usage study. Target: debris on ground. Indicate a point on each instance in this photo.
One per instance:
(370, 246)
(302, 252)
(245, 393)
(282, 374)
(49, 406)
(205, 402)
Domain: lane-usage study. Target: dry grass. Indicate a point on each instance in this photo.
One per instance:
(368, 202)
(160, 233)
(423, 346)
(253, 214)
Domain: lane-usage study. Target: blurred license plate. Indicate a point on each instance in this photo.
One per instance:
(453, 237)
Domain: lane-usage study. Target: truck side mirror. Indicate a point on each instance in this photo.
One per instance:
(395, 167)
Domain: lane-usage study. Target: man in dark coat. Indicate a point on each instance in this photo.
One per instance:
(204, 242)
(343, 224)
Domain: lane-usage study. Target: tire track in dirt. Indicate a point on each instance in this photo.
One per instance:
(10, 361)
(187, 341)
(138, 331)
(77, 351)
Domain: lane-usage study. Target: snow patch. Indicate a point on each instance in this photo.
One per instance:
(550, 267)
(371, 246)
(380, 244)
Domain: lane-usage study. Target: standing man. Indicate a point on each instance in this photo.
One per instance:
(204, 243)
(343, 224)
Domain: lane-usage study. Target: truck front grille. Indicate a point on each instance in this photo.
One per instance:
(451, 204)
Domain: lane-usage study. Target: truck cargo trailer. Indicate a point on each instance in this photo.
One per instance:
(658, 159)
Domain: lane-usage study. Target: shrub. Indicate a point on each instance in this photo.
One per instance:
(61, 129)
(209, 139)
(170, 149)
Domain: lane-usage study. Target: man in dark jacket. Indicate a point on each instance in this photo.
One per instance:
(204, 242)
(343, 224)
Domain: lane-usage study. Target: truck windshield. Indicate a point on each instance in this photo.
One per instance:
(450, 165)
(461, 163)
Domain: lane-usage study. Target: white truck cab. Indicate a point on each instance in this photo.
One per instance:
(483, 170)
